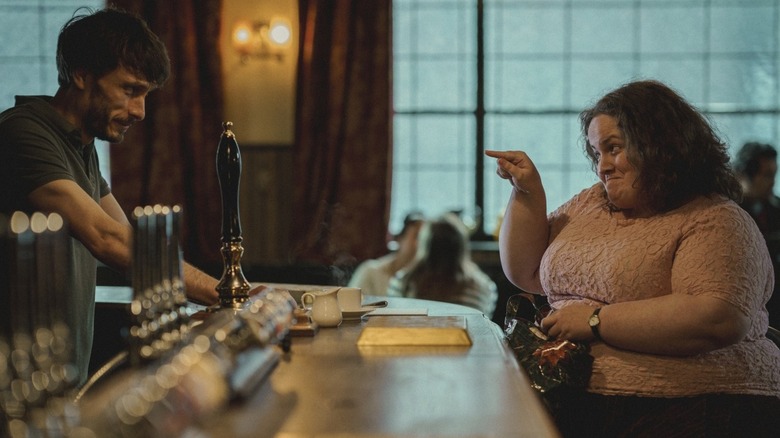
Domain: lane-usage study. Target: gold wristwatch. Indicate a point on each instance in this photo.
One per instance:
(594, 321)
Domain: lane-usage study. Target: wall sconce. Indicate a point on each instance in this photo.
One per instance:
(262, 39)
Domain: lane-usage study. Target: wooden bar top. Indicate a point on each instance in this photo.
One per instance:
(328, 386)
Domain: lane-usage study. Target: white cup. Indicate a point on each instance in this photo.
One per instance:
(350, 298)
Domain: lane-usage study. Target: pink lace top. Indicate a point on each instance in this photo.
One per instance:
(707, 247)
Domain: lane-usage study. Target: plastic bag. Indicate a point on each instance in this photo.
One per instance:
(553, 365)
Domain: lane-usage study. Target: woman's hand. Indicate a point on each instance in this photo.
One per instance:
(570, 322)
(518, 168)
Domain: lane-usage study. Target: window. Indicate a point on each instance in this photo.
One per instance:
(471, 75)
(28, 44)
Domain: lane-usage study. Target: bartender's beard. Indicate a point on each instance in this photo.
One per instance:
(97, 122)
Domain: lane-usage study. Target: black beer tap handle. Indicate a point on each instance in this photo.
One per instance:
(233, 288)
(229, 174)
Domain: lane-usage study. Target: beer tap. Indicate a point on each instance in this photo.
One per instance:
(233, 288)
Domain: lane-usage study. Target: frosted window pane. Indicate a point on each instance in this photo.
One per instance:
(579, 180)
(19, 78)
(672, 30)
(591, 79)
(444, 190)
(404, 23)
(525, 84)
(445, 31)
(574, 141)
(555, 187)
(403, 85)
(403, 195)
(603, 30)
(433, 2)
(19, 33)
(741, 84)
(497, 191)
(443, 141)
(541, 137)
(519, 30)
(445, 85)
(684, 75)
(737, 129)
(433, 192)
(403, 126)
(743, 29)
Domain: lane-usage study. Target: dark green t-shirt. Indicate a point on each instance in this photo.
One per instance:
(38, 146)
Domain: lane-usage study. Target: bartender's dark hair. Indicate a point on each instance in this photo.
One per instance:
(675, 149)
(99, 42)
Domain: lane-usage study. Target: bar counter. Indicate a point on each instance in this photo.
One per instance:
(327, 386)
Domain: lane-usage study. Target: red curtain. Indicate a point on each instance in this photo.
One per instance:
(342, 152)
(169, 158)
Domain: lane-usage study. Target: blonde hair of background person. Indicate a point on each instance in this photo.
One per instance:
(443, 270)
(658, 267)
(373, 276)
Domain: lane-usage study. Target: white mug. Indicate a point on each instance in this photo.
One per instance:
(350, 298)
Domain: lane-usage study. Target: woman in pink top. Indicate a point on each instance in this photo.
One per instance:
(658, 267)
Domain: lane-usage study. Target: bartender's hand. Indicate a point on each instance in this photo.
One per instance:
(199, 286)
(518, 169)
(202, 288)
(570, 322)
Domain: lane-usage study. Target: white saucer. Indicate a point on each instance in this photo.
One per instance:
(348, 315)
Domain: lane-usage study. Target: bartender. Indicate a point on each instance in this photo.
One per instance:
(108, 62)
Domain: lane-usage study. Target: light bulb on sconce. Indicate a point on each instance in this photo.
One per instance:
(262, 39)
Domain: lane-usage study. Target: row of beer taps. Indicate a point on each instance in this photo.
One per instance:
(37, 375)
(159, 305)
(175, 371)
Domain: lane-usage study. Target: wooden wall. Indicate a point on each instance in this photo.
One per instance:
(265, 204)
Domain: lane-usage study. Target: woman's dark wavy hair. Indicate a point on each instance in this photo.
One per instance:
(677, 152)
(99, 42)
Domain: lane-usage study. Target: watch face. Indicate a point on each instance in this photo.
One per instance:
(594, 320)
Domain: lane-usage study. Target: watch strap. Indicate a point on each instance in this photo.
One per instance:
(595, 327)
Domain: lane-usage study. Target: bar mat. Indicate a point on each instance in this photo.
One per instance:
(415, 331)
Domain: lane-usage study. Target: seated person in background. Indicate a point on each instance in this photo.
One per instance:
(373, 276)
(442, 270)
(658, 267)
(756, 167)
